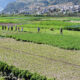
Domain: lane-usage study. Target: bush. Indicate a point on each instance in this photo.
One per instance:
(23, 74)
(17, 39)
(14, 73)
(37, 77)
(52, 29)
(29, 75)
(3, 68)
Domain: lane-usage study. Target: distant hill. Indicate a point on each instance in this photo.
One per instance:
(23, 5)
(51, 2)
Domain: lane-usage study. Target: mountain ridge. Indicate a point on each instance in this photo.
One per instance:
(33, 6)
(51, 2)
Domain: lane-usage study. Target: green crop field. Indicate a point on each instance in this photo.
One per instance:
(47, 52)
(69, 39)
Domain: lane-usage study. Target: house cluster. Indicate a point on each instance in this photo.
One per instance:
(58, 9)
(52, 9)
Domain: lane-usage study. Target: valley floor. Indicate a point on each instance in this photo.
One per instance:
(44, 59)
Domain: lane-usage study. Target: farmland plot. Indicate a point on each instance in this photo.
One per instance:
(44, 59)
(45, 52)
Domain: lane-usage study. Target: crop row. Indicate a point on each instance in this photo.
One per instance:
(35, 22)
(62, 41)
(11, 72)
(56, 24)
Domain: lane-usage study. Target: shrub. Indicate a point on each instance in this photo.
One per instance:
(23, 74)
(29, 75)
(52, 29)
(17, 39)
(37, 77)
(14, 73)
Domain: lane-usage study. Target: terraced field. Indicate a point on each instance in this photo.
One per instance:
(44, 59)
(48, 52)
(69, 40)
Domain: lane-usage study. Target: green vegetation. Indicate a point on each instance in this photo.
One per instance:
(49, 30)
(74, 27)
(56, 24)
(23, 74)
(42, 22)
(47, 60)
(69, 40)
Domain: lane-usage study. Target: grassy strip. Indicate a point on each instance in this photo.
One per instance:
(56, 24)
(11, 72)
(17, 19)
(62, 41)
(69, 42)
(42, 22)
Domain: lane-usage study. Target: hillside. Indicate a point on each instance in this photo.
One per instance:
(51, 2)
(39, 6)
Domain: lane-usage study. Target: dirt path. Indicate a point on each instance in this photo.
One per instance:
(75, 21)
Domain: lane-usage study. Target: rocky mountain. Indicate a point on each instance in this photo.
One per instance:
(30, 6)
(50, 2)
(14, 7)
(3, 3)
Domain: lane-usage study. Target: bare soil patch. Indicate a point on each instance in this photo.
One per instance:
(75, 21)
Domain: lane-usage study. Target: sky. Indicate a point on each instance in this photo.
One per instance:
(3, 3)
